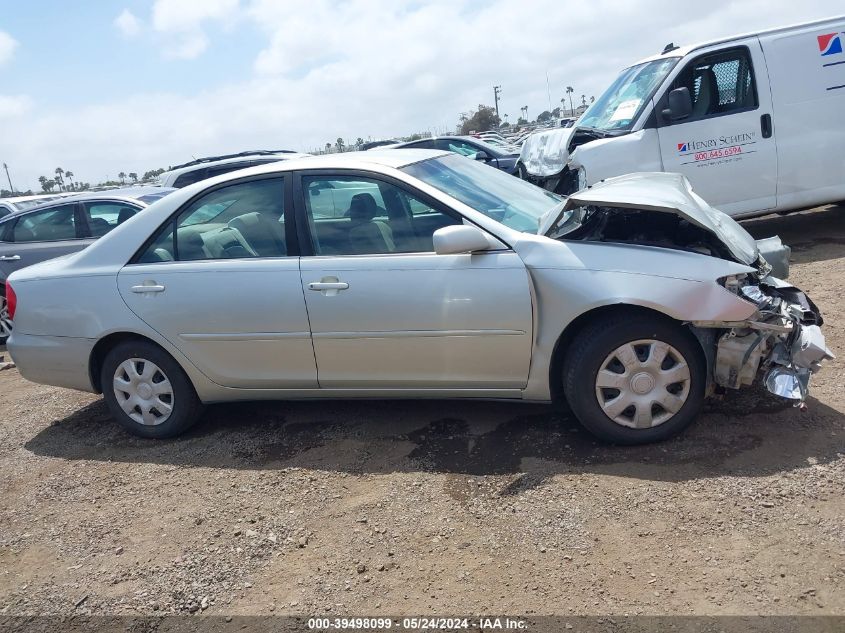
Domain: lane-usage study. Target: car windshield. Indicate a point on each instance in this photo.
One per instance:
(622, 102)
(513, 202)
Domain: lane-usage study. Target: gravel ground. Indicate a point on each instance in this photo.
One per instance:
(352, 508)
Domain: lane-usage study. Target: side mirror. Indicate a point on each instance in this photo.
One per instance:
(459, 238)
(680, 104)
(482, 155)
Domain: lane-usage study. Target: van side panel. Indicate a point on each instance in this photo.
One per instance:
(807, 76)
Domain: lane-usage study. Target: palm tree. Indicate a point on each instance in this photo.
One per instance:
(569, 91)
(524, 110)
(43, 181)
(359, 142)
(122, 177)
(592, 99)
(133, 176)
(59, 180)
(328, 147)
(69, 176)
(584, 100)
(339, 144)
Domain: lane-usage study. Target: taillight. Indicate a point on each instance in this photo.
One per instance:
(11, 301)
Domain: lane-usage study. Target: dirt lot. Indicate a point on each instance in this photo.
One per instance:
(434, 507)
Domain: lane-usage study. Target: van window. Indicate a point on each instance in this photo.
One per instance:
(719, 83)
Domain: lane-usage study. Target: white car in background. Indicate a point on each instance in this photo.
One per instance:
(418, 274)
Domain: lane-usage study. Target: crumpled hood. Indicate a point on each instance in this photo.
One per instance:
(667, 193)
(544, 153)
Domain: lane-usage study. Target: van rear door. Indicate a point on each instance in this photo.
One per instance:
(726, 146)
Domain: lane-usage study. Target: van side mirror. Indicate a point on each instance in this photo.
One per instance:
(680, 104)
(459, 238)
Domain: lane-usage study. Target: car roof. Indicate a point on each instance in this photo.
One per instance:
(126, 194)
(213, 161)
(395, 158)
(121, 193)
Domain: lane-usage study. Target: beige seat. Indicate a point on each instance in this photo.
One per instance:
(366, 234)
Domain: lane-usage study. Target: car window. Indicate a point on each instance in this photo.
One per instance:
(719, 83)
(236, 221)
(362, 216)
(103, 216)
(458, 147)
(190, 178)
(56, 223)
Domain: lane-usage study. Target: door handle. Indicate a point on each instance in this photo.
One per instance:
(148, 288)
(10, 258)
(766, 125)
(328, 285)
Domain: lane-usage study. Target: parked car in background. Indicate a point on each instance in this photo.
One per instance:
(202, 168)
(63, 226)
(471, 147)
(422, 275)
(382, 143)
(754, 121)
(22, 203)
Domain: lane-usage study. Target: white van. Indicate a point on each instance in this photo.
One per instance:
(756, 122)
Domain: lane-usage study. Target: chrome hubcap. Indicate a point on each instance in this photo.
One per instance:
(643, 384)
(5, 321)
(143, 391)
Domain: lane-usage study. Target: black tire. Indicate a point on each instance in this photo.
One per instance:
(186, 406)
(3, 335)
(521, 172)
(597, 341)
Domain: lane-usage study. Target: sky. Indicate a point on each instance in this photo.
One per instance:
(104, 86)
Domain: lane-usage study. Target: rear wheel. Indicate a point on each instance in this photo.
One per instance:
(147, 391)
(521, 171)
(635, 379)
(5, 321)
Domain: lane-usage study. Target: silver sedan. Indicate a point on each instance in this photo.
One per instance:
(419, 274)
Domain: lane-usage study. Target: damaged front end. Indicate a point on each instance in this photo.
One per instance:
(783, 341)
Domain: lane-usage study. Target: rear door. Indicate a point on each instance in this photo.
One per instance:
(726, 147)
(40, 235)
(219, 282)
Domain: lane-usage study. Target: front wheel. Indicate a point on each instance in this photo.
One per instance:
(147, 391)
(635, 379)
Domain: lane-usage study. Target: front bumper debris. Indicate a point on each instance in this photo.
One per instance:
(783, 342)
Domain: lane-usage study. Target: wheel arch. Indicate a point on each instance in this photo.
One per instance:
(107, 343)
(582, 320)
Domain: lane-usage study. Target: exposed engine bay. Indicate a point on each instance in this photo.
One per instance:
(783, 341)
(646, 228)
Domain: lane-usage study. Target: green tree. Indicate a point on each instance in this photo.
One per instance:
(59, 180)
(122, 176)
(522, 121)
(43, 181)
(133, 176)
(359, 142)
(340, 144)
(556, 113)
(569, 91)
(328, 147)
(544, 116)
(483, 119)
(69, 176)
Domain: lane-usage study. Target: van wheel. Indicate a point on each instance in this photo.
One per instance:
(147, 391)
(635, 379)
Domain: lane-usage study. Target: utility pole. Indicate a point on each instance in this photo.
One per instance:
(11, 188)
(497, 90)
